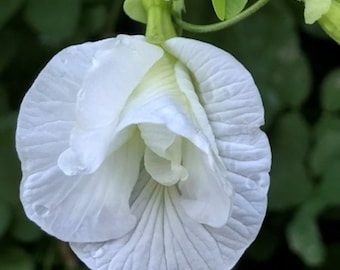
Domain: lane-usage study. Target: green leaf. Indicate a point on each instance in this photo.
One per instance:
(227, 9)
(291, 138)
(95, 18)
(293, 87)
(4, 106)
(303, 234)
(23, 229)
(5, 217)
(330, 184)
(9, 46)
(328, 122)
(219, 7)
(55, 20)
(8, 9)
(326, 149)
(333, 258)
(290, 186)
(14, 258)
(9, 165)
(264, 247)
(135, 10)
(330, 91)
(290, 183)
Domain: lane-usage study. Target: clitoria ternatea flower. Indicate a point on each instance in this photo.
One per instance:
(145, 157)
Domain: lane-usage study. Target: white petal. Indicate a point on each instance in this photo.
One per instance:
(165, 109)
(114, 73)
(85, 208)
(46, 118)
(162, 170)
(163, 154)
(204, 196)
(185, 85)
(235, 112)
(225, 87)
(157, 100)
(165, 238)
(158, 138)
(90, 147)
(47, 113)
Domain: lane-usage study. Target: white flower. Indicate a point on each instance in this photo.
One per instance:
(145, 157)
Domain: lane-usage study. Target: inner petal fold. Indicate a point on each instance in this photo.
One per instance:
(206, 196)
(163, 154)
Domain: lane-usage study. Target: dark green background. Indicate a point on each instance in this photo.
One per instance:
(297, 69)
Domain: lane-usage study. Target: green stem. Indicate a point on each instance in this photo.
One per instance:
(221, 25)
(159, 25)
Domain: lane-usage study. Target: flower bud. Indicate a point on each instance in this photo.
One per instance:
(330, 22)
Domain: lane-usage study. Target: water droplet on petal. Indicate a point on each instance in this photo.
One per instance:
(125, 41)
(63, 60)
(97, 253)
(95, 63)
(41, 210)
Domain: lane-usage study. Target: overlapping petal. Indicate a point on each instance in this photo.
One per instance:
(235, 112)
(101, 99)
(49, 115)
(164, 113)
(165, 238)
(168, 235)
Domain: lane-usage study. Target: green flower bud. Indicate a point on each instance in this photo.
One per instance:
(330, 22)
(315, 9)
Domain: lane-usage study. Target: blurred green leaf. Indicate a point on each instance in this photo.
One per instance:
(226, 9)
(5, 217)
(293, 87)
(94, 19)
(330, 91)
(264, 247)
(8, 47)
(9, 165)
(4, 106)
(291, 137)
(289, 187)
(8, 9)
(314, 30)
(326, 149)
(330, 184)
(328, 122)
(290, 184)
(23, 229)
(333, 258)
(55, 20)
(304, 238)
(14, 258)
